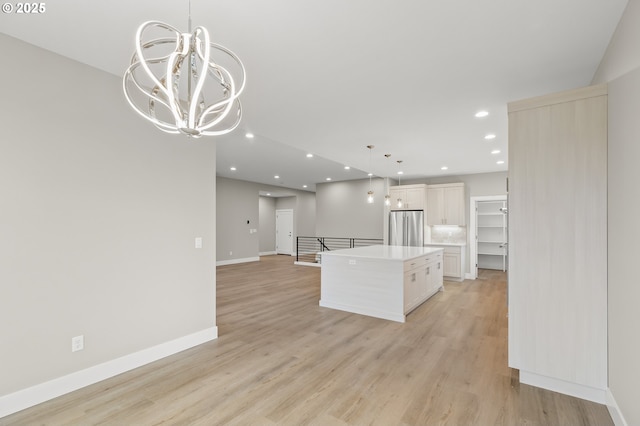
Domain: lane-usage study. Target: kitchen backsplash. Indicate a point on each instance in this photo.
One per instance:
(449, 234)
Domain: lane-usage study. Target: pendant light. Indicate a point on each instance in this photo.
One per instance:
(370, 193)
(178, 81)
(387, 197)
(399, 203)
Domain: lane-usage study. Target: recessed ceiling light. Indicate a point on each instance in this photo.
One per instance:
(500, 162)
(400, 172)
(370, 174)
(276, 177)
(233, 169)
(490, 136)
(249, 135)
(481, 114)
(495, 151)
(304, 186)
(269, 194)
(444, 168)
(328, 179)
(347, 168)
(309, 155)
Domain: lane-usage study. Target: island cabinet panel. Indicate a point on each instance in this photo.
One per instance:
(557, 249)
(422, 279)
(415, 285)
(380, 281)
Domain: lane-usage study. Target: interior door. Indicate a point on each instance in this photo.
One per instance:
(284, 232)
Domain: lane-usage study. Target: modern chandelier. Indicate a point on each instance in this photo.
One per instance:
(182, 82)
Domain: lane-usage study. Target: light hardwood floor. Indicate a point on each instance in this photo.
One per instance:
(283, 360)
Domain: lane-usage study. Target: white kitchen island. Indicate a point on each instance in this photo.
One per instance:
(380, 281)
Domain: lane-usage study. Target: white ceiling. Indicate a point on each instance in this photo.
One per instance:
(331, 77)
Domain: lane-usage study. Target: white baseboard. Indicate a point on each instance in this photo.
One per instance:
(469, 276)
(614, 410)
(561, 386)
(42, 392)
(236, 261)
(267, 253)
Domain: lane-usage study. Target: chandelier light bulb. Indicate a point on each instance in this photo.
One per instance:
(387, 200)
(182, 82)
(399, 203)
(370, 197)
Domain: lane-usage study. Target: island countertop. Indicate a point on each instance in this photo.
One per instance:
(380, 252)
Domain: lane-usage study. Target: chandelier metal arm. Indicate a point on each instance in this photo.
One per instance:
(206, 58)
(173, 73)
(140, 54)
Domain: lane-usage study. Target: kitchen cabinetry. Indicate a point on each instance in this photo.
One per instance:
(413, 197)
(423, 277)
(558, 241)
(453, 260)
(445, 204)
(491, 220)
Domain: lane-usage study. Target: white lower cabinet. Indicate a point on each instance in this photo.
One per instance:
(422, 279)
(452, 264)
(413, 288)
(453, 261)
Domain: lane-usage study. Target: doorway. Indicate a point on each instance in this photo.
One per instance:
(284, 232)
(488, 239)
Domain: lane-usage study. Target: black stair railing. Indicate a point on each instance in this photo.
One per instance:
(308, 248)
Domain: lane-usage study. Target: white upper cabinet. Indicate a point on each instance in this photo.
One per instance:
(413, 197)
(445, 204)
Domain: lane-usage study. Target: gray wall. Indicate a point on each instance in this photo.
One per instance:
(306, 214)
(343, 211)
(267, 224)
(286, 203)
(238, 201)
(621, 68)
(98, 215)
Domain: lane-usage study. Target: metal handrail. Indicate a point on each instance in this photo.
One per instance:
(308, 248)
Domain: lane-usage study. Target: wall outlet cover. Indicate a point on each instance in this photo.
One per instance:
(77, 343)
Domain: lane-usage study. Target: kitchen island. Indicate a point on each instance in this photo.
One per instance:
(380, 281)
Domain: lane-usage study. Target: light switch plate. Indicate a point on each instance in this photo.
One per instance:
(198, 242)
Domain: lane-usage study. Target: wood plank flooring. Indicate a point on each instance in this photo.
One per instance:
(283, 360)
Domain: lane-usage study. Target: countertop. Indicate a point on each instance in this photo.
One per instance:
(446, 244)
(381, 252)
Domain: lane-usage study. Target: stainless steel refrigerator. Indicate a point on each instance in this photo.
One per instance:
(406, 228)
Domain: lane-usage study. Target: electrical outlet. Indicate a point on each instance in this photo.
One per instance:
(77, 343)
